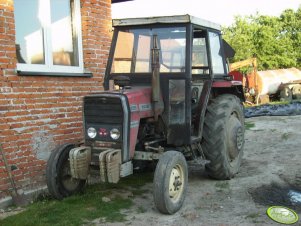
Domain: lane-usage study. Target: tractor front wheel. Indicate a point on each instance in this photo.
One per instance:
(170, 182)
(58, 174)
(223, 136)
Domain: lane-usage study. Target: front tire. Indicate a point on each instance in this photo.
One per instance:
(170, 182)
(58, 175)
(223, 136)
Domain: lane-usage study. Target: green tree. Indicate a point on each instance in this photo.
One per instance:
(275, 41)
(292, 29)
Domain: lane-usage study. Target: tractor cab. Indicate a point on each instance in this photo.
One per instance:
(168, 100)
(190, 57)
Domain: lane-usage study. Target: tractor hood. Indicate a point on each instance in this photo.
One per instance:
(140, 104)
(139, 99)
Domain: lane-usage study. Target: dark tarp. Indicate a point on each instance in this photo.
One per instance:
(274, 110)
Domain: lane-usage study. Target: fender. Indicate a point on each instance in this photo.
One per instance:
(234, 87)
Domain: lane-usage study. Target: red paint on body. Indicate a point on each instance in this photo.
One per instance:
(236, 75)
(225, 84)
(141, 107)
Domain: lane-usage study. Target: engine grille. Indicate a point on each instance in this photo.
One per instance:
(103, 110)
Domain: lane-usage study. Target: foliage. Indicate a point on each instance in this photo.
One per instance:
(275, 41)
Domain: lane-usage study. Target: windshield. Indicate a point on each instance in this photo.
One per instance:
(133, 50)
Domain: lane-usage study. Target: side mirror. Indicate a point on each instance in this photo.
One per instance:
(229, 51)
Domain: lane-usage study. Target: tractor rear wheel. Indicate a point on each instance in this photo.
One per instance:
(170, 182)
(58, 174)
(223, 136)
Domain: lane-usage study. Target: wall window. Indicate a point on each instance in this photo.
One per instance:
(216, 53)
(48, 35)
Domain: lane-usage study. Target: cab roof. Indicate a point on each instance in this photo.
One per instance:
(166, 20)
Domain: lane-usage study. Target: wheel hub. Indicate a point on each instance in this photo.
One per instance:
(67, 180)
(236, 137)
(176, 183)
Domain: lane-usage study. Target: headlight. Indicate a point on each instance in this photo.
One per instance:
(92, 132)
(115, 134)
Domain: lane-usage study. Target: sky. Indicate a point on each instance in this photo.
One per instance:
(218, 11)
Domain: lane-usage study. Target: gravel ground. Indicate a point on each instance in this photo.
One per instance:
(270, 175)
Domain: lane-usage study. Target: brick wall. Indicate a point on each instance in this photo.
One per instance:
(38, 113)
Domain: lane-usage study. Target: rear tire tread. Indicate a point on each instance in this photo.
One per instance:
(214, 136)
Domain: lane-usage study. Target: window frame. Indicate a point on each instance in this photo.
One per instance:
(210, 40)
(206, 68)
(133, 59)
(49, 67)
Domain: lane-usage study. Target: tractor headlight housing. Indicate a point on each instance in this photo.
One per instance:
(91, 132)
(115, 134)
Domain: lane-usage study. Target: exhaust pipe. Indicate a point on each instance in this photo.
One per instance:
(158, 105)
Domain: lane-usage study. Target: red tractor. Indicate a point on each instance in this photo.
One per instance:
(168, 99)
